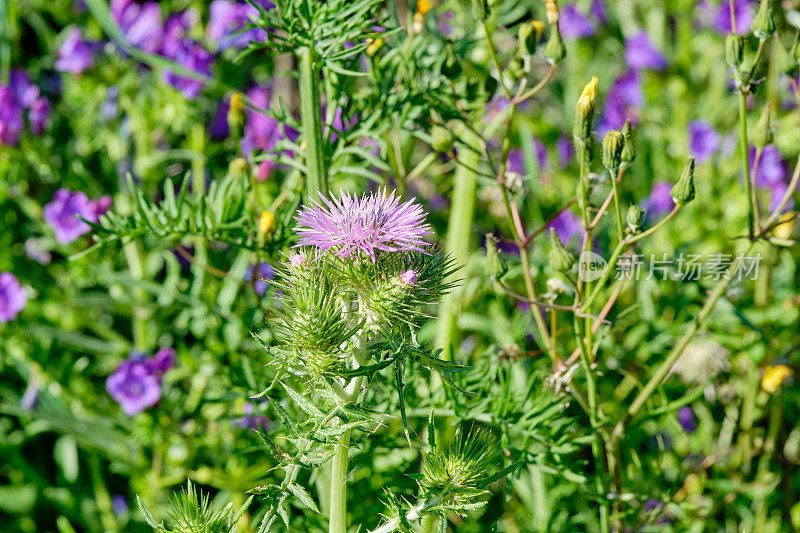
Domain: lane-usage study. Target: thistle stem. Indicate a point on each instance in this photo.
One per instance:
(746, 161)
(338, 495)
(311, 118)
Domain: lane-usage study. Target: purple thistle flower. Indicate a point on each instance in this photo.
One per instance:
(574, 24)
(567, 226)
(38, 113)
(703, 140)
(133, 385)
(10, 117)
(226, 18)
(641, 54)
(660, 200)
(350, 226)
(12, 297)
(141, 24)
(686, 419)
(564, 151)
(64, 209)
(74, 55)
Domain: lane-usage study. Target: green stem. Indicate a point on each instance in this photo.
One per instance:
(746, 161)
(617, 207)
(133, 256)
(338, 496)
(310, 115)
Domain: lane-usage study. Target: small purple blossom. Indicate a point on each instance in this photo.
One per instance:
(119, 504)
(641, 54)
(297, 260)
(567, 226)
(262, 131)
(409, 277)
(515, 162)
(134, 385)
(564, 151)
(38, 113)
(10, 117)
(541, 153)
(263, 273)
(141, 24)
(74, 54)
(226, 18)
(251, 420)
(64, 209)
(660, 200)
(12, 297)
(574, 24)
(599, 11)
(687, 419)
(718, 15)
(704, 140)
(163, 360)
(187, 53)
(771, 174)
(351, 226)
(624, 98)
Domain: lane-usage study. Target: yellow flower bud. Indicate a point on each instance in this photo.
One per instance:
(786, 226)
(774, 376)
(266, 223)
(423, 6)
(552, 11)
(584, 111)
(374, 46)
(236, 115)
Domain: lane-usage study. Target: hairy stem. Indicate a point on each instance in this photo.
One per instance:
(743, 145)
(338, 495)
(311, 117)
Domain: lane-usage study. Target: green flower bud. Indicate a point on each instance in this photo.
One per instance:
(516, 68)
(764, 23)
(763, 133)
(512, 181)
(451, 68)
(236, 115)
(629, 150)
(734, 46)
(584, 111)
(528, 37)
(560, 258)
(495, 265)
(635, 218)
(613, 144)
(683, 190)
(554, 50)
(442, 139)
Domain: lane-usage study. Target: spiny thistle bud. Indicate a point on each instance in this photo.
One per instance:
(763, 132)
(683, 190)
(409, 277)
(297, 260)
(374, 46)
(734, 46)
(528, 37)
(554, 50)
(442, 139)
(629, 150)
(551, 6)
(451, 67)
(513, 182)
(495, 265)
(560, 258)
(236, 115)
(613, 145)
(635, 218)
(764, 23)
(584, 111)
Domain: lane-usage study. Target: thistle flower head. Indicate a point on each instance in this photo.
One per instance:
(350, 226)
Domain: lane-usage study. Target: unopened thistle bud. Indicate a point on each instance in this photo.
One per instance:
(734, 46)
(495, 265)
(442, 139)
(236, 115)
(635, 218)
(560, 258)
(409, 277)
(763, 132)
(764, 23)
(613, 145)
(528, 37)
(554, 50)
(629, 150)
(297, 260)
(683, 190)
(584, 111)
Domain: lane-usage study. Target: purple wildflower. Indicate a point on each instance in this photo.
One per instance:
(141, 24)
(24, 91)
(660, 200)
(703, 140)
(64, 209)
(261, 131)
(251, 420)
(350, 226)
(564, 151)
(263, 272)
(622, 103)
(718, 15)
(163, 360)
(599, 11)
(686, 419)
(12, 297)
(574, 24)
(38, 113)
(133, 385)
(74, 54)
(181, 49)
(516, 162)
(641, 54)
(771, 174)
(541, 153)
(119, 504)
(10, 117)
(226, 18)
(567, 226)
